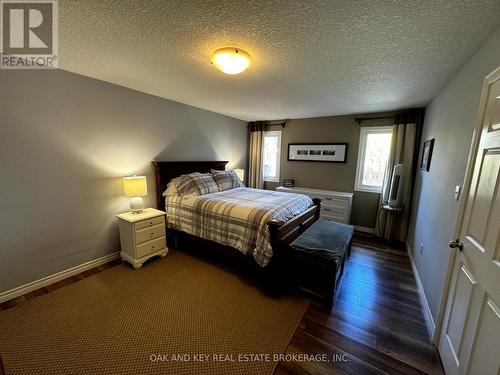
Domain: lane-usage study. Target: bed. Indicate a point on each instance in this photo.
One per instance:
(281, 217)
(236, 217)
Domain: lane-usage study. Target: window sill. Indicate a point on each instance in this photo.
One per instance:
(368, 190)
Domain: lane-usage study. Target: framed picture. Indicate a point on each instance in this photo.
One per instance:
(425, 163)
(326, 152)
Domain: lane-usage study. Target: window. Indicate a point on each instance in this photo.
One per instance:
(271, 156)
(374, 146)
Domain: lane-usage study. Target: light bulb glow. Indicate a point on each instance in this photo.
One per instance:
(231, 60)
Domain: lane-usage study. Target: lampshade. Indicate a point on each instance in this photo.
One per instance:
(240, 173)
(135, 186)
(231, 60)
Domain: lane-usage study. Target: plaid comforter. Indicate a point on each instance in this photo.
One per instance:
(236, 217)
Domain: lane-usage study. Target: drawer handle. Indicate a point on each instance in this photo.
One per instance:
(326, 209)
(153, 246)
(151, 233)
(150, 223)
(328, 199)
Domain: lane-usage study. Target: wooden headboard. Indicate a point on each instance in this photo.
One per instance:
(167, 170)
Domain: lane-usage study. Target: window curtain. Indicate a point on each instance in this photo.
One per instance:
(255, 162)
(405, 134)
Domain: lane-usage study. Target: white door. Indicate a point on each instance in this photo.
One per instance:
(470, 335)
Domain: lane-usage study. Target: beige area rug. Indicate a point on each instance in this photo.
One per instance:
(178, 314)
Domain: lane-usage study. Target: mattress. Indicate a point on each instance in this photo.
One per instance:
(236, 217)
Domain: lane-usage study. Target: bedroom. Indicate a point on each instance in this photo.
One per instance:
(133, 83)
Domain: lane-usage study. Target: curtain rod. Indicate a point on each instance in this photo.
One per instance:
(359, 119)
(278, 122)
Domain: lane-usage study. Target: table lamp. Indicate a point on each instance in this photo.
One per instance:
(135, 187)
(240, 173)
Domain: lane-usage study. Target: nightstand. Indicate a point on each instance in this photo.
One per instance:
(142, 236)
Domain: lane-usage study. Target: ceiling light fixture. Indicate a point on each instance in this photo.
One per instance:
(231, 60)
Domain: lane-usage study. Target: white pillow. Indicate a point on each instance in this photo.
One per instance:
(172, 187)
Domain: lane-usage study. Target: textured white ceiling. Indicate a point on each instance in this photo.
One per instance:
(311, 58)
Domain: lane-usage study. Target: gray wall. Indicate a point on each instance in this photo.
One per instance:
(330, 176)
(65, 142)
(450, 120)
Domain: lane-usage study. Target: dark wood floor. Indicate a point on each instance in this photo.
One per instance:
(376, 325)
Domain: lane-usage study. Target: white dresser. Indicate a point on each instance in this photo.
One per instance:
(142, 236)
(335, 205)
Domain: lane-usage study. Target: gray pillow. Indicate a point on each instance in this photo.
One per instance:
(196, 184)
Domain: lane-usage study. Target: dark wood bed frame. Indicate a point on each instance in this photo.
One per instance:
(281, 233)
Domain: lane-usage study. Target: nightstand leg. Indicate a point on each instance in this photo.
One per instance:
(137, 266)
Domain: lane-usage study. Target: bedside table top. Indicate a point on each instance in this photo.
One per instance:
(147, 213)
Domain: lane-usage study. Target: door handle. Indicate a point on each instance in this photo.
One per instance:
(456, 244)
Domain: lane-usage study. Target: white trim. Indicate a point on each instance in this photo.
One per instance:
(429, 320)
(366, 189)
(51, 279)
(278, 157)
(364, 229)
(363, 135)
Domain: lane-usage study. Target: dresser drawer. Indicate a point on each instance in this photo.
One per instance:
(334, 202)
(338, 219)
(335, 205)
(149, 222)
(146, 234)
(336, 211)
(151, 246)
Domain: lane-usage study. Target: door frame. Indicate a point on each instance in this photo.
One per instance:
(471, 161)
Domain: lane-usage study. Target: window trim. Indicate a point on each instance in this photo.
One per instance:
(278, 158)
(363, 135)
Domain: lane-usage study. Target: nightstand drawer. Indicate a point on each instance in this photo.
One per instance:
(150, 233)
(148, 247)
(149, 222)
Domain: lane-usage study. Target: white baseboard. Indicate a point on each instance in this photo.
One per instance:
(364, 229)
(34, 285)
(429, 320)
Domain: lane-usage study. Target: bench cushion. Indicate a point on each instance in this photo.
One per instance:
(324, 242)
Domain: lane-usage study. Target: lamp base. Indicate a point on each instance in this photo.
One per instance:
(136, 205)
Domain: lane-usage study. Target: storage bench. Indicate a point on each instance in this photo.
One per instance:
(318, 258)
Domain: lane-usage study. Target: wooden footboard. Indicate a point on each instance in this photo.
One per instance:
(284, 233)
